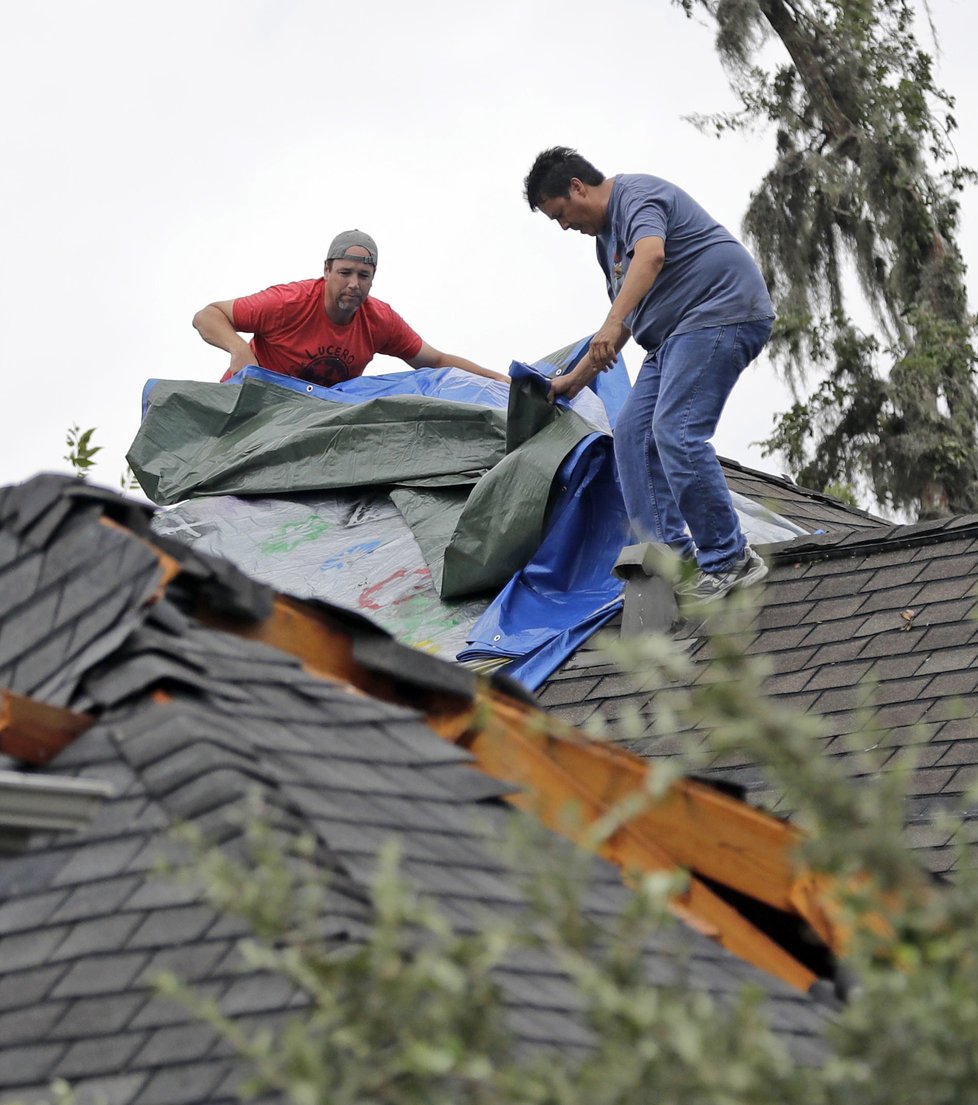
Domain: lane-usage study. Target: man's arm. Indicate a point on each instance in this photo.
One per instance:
(215, 324)
(647, 260)
(429, 357)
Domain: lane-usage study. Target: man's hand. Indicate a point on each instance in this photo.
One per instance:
(562, 385)
(240, 358)
(606, 343)
(586, 369)
(572, 383)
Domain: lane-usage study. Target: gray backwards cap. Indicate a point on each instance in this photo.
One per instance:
(342, 242)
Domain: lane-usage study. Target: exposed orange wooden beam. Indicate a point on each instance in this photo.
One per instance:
(34, 732)
(564, 802)
(699, 827)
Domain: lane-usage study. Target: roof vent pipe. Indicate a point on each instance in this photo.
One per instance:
(650, 601)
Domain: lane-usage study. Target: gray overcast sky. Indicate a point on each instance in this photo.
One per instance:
(157, 157)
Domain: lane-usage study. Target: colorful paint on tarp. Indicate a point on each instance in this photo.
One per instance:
(350, 549)
(293, 534)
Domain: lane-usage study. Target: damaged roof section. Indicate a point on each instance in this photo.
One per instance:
(174, 663)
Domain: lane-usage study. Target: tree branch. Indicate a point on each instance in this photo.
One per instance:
(801, 48)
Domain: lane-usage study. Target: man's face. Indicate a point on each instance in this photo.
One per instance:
(579, 210)
(348, 281)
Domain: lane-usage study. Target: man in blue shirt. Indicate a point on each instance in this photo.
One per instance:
(694, 299)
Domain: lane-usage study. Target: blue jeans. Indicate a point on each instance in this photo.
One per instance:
(670, 475)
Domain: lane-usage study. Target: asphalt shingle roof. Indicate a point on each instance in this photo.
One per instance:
(812, 510)
(190, 721)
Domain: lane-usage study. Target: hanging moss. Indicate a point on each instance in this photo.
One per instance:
(865, 179)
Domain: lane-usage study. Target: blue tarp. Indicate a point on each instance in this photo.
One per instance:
(567, 591)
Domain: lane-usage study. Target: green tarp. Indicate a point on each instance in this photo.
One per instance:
(476, 510)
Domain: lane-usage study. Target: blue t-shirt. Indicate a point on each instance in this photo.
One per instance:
(708, 278)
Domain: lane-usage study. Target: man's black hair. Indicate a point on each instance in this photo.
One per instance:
(552, 172)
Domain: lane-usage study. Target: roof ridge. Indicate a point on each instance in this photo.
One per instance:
(842, 543)
(788, 482)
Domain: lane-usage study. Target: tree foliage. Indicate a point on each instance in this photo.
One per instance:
(866, 183)
(414, 1015)
(81, 457)
(81, 452)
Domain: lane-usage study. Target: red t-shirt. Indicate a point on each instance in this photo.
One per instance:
(294, 335)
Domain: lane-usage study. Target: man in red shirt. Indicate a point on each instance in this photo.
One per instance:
(326, 330)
